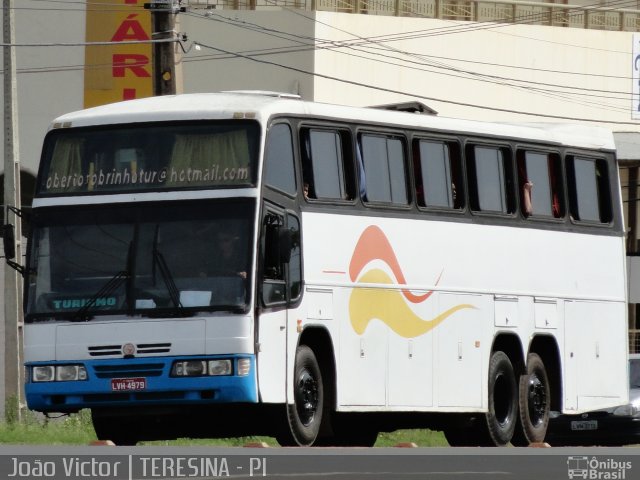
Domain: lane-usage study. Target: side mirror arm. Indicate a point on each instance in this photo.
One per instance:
(9, 242)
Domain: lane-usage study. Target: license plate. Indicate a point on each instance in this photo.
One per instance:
(579, 425)
(128, 384)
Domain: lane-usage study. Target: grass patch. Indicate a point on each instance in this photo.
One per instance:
(33, 429)
(76, 429)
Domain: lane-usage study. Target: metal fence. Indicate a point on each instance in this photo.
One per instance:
(501, 11)
(634, 340)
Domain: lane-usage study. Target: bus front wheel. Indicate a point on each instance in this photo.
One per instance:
(116, 429)
(304, 416)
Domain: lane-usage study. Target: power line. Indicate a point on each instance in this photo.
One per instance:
(446, 70)
(413, 95)
(90, 44)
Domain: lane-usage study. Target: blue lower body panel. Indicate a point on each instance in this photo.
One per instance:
(150, 385)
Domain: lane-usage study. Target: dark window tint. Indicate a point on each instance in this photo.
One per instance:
(139, 157)
(279, 172)
(273, 285)
(437, 173)
(490, 183)
(589, 194)
(539, 182)
(327, 175)
(295, 261)
(384, 169)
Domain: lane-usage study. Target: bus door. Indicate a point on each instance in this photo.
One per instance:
(280, 287)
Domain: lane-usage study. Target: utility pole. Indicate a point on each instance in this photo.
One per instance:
(12, 281)
(163, 24)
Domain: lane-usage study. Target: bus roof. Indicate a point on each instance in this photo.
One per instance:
(264, 105)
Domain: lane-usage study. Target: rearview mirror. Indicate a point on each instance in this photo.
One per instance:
(9, 241)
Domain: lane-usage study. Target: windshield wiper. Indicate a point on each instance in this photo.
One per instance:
(158, 259)
(113, 283)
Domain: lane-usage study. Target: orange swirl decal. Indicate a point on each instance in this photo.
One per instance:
(373, 244)
(388, 305)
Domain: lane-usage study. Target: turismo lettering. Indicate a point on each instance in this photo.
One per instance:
(66, 304)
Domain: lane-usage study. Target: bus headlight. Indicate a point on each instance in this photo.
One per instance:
(219, 367)
(58, 373)
(189, 368)
(68, 373)
(44, 373)
(200, 368)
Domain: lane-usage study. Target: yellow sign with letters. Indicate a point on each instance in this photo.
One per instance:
(117, 72)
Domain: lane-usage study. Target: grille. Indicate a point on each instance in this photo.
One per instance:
(129, 371)
(127, 397)
(141, 349)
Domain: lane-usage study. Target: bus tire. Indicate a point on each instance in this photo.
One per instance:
(461, 437)
(350, 430)
(502, 415)
(533, 400)
(305, 414)
(116, 429)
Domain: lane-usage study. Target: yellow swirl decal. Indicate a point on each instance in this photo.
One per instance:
(387, 305)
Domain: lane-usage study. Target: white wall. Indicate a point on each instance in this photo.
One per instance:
(50, 79)
(460, 67)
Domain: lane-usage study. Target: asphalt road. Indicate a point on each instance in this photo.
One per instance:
(169, 463)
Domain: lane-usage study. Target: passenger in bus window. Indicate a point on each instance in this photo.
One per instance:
(527, 205)
(229, 260)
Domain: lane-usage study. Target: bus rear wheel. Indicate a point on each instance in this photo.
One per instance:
(502, 415)
(534, 403)
(116, 429)
(304, 416)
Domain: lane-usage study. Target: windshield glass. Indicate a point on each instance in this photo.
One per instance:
(140, 259)
(143, 157)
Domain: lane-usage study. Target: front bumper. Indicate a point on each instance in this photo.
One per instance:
(159, 387)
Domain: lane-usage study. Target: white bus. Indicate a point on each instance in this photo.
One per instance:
(249, 263)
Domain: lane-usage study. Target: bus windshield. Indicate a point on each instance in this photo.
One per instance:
(140, 259)
(144, 157)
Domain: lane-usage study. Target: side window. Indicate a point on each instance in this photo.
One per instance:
(273, 268)
(278, 162)
(282, 259)
(295, 260)
(490, 179)
(383, 161)
(326, 168)
(438, 174)
(589, 194)
(539, 182)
